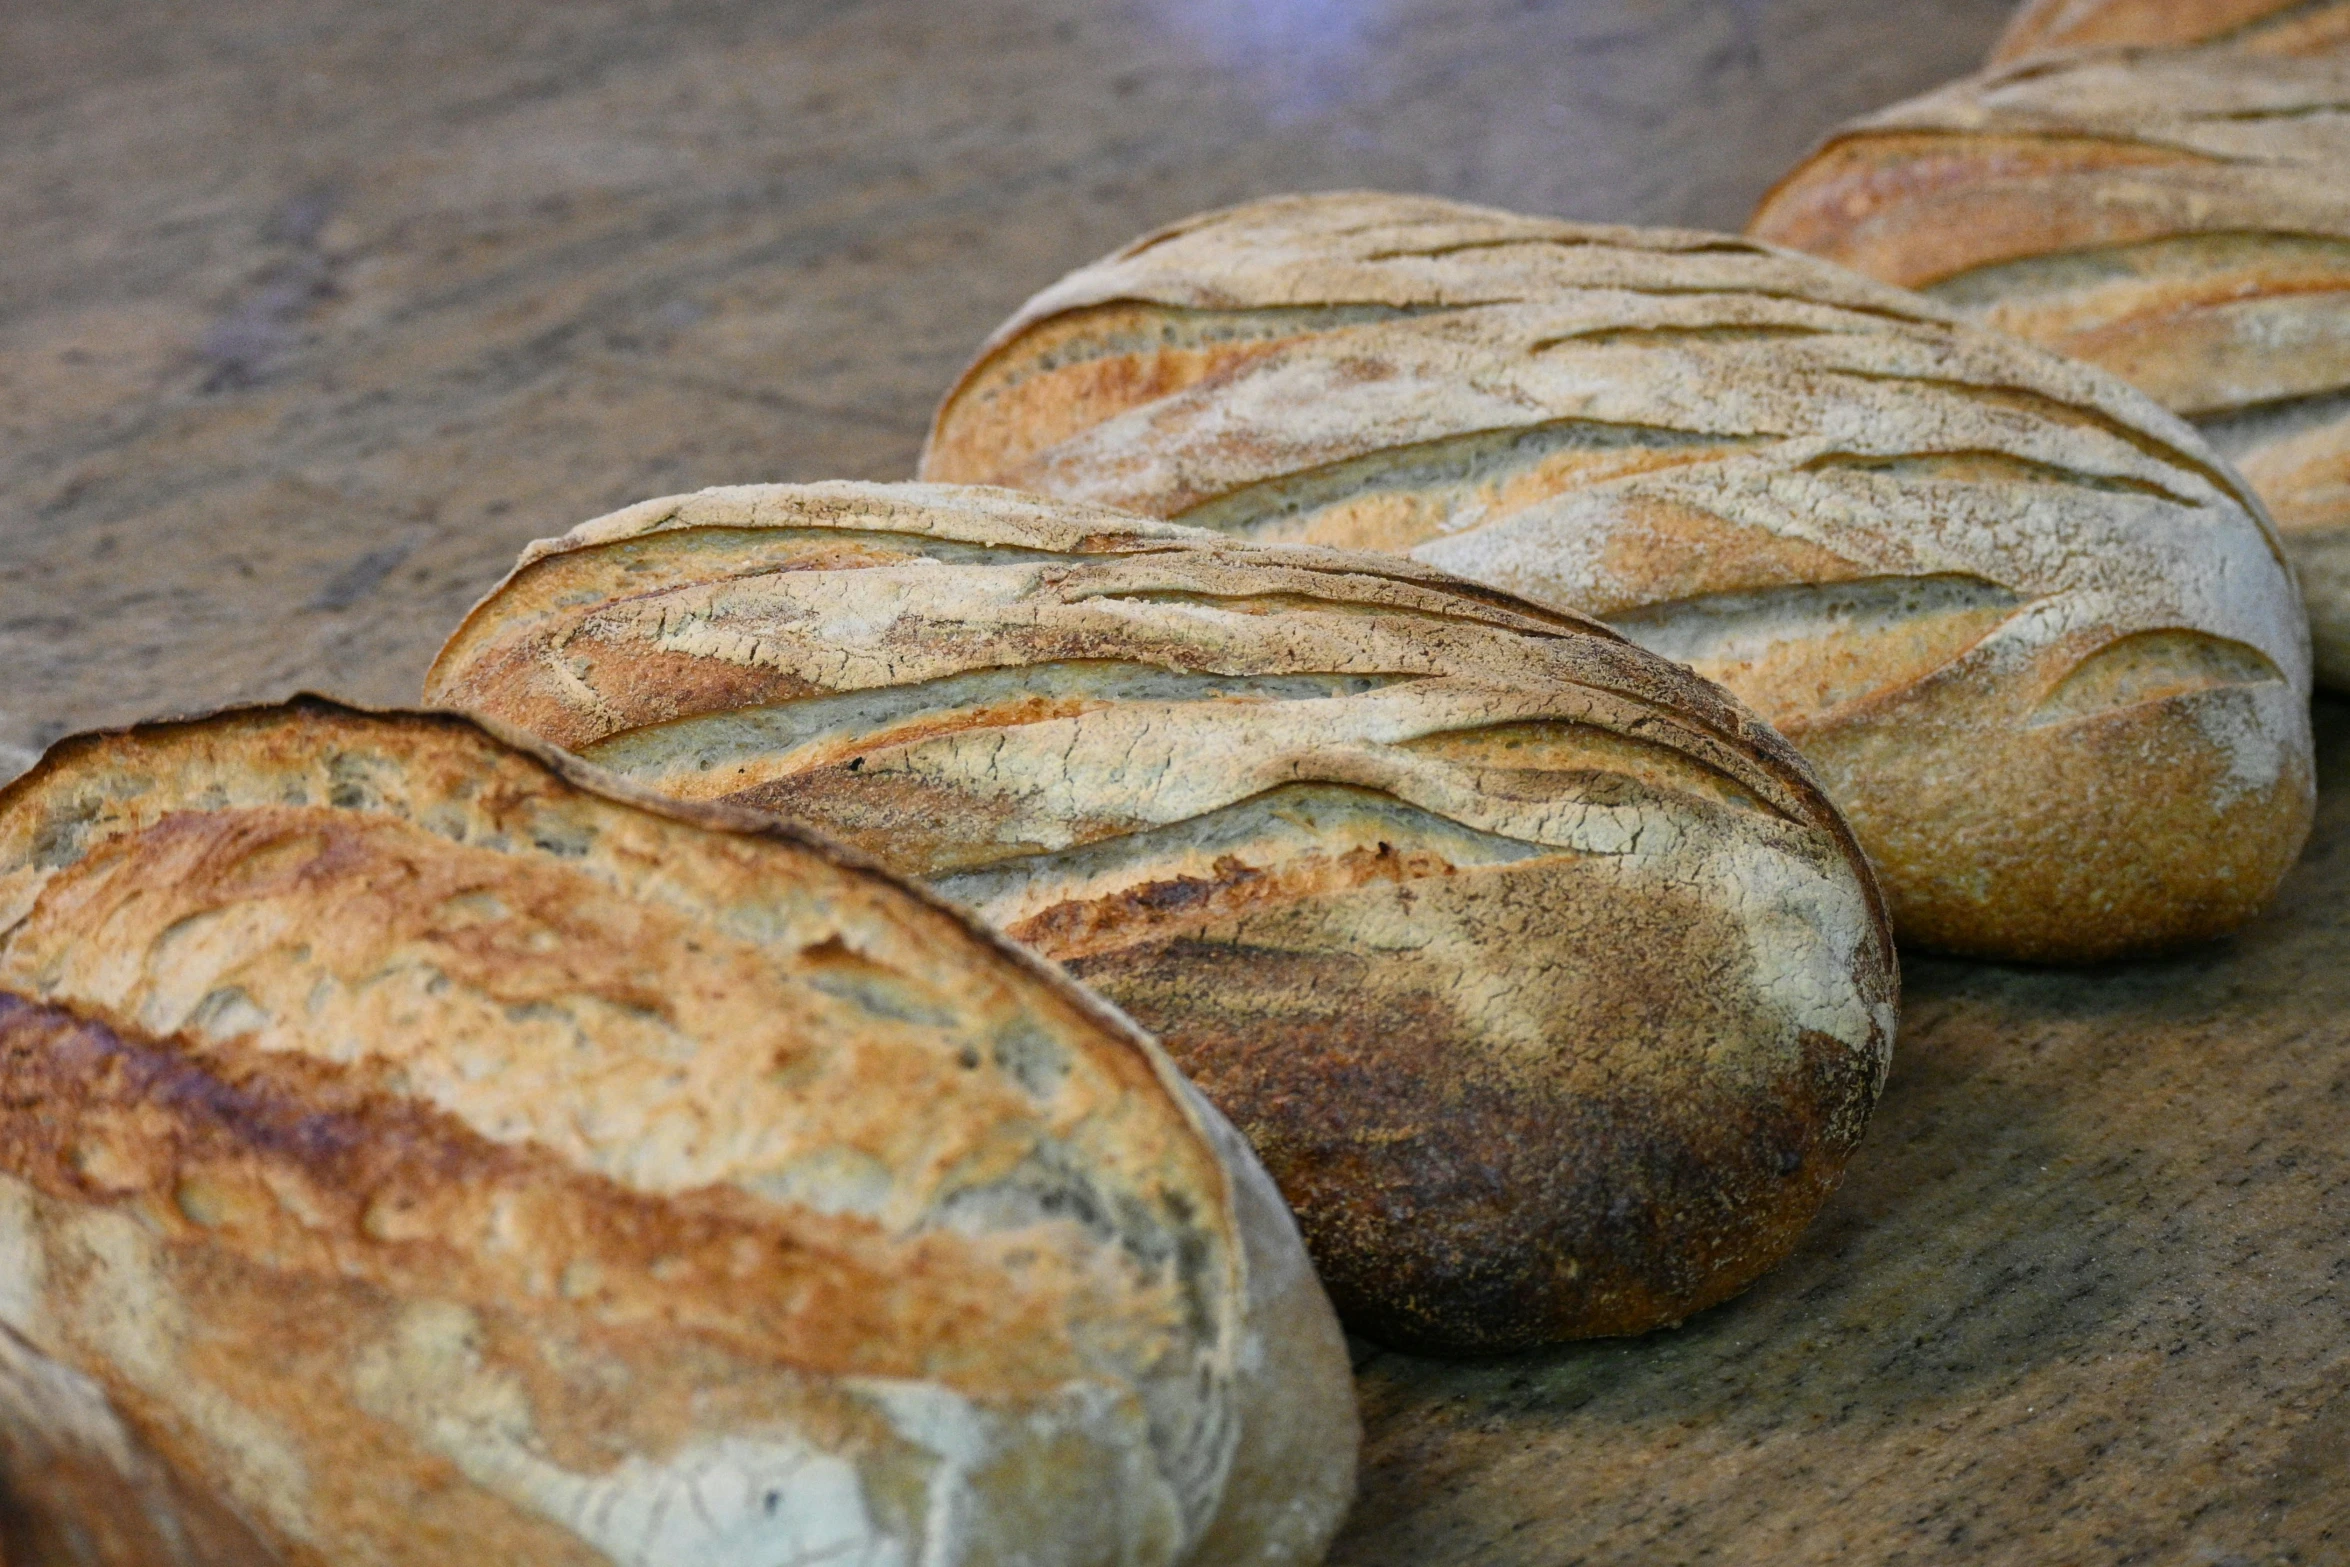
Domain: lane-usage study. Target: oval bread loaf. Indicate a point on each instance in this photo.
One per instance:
(1551, 990)
(418, 1148)
(2181, 219)
(2039, 643)
(2266, 27)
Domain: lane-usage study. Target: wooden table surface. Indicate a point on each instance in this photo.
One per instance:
(313, 311)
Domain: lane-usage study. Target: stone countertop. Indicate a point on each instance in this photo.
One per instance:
(313, 311)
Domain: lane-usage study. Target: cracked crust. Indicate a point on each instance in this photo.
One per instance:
(2179, 219)
(416, 1146)
(2265, 27)
(1549, 986)
(1915, 547)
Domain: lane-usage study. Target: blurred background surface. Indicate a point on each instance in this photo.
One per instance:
(313, 311)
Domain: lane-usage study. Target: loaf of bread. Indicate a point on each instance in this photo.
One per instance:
(1549, 987)
(2270, 27)
(417, 1148)
(2039, 643)
(2182, 219)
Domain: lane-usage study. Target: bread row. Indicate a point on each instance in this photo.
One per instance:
(1544, 976)
(1482, 691)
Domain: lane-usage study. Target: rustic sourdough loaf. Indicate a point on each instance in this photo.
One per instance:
(2039, 643)
(2182, 219)
(1547, 984)
(419, 1148)
(2270, 27)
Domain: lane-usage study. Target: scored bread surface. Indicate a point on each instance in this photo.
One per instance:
(2264, 27)
(1548, 986)
(2181, 219)
(419, 1148)
(2039, 642)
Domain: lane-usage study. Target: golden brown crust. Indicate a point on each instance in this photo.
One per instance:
(1547, 981)
(1892, 535)
(431, 1148)
(2177, 218)
(2268, 27)
(2103, 150)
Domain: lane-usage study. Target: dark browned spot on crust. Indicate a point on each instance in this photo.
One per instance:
(1454, 1204)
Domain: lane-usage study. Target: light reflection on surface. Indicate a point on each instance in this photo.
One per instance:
(1305, 53)
(1627, 110)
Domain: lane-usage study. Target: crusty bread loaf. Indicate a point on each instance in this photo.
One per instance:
(2038, 642)
(418, 1148)
(2268, 27)
(1546, 982)
(2182, 219)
